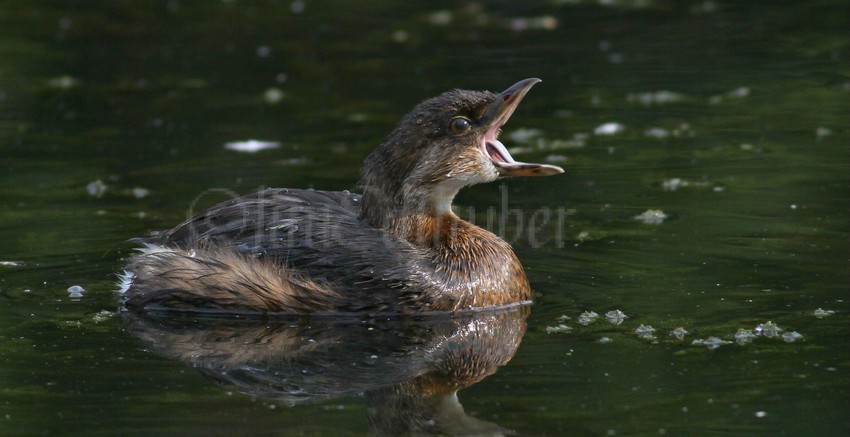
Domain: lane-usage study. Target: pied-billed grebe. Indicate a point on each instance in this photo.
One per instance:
(398, 248)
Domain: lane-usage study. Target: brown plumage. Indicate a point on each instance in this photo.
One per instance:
(398, 248)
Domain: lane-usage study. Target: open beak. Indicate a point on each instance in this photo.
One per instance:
(496, 115)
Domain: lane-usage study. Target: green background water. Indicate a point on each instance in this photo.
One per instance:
(146, 94)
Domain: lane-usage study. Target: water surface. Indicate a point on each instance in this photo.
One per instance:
(706, 149)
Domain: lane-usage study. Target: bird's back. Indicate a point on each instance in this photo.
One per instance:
(290, 250)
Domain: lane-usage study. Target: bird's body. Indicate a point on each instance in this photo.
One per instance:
(397, 249)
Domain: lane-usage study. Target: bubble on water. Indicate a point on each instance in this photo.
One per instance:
(76, 291)
(604, 340)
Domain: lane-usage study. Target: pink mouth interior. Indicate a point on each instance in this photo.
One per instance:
(490, 144)
(495, 154)
(494, 148)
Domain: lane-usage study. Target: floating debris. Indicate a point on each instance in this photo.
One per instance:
(251, 146)
(357, 117)
(273, 95)
(585, 236)
(75, 291)
(611, 128)
(545, 22)
(744, 336)
(441, 18)
(651, 217)
(683, 130)
(821, 313)
(587, 318)
(524, 135)
(102, 316)
(657, 133)
(558, 329)
(616, 58)
(710, 342)
(737, 93)
(822, 132)
(674, 184)
(400, 36)
(679, 333)
(96, 188)
(11, 263)
(604, 340)
(645, 332)
(298, 6)
(654, 98)
(532, 140)
(563, 318)
(615, 317)
(299, 160)
(769, 330)
(140, 193)
(63, 82)
(791, 337)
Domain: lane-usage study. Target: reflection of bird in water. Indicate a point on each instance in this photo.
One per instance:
(409, 371)
(398, 248)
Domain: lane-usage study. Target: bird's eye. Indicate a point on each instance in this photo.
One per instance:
(460, 125)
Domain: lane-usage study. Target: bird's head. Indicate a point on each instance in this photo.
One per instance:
(444, 144)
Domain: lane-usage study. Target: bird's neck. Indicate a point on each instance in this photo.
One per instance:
(421, 215)
(473, 266)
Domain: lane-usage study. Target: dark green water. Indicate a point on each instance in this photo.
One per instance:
(735, 125)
